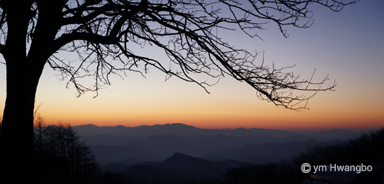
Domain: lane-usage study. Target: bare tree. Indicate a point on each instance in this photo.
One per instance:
(102, 33)
(38, 132)
(60, 154)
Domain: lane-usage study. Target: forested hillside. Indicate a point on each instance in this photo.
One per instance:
(60, 157)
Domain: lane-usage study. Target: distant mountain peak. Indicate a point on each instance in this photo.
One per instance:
(88, 125)
(179, 125)
(182, 124)
(182, 160)
(178, 156)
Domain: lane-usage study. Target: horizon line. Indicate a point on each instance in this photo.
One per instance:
(354, 129)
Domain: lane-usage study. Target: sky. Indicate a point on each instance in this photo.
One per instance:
(348, 46)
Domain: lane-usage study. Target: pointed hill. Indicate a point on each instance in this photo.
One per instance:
(181, 161)
(187, 165)
(181, 167)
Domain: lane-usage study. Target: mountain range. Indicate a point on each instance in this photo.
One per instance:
(132, 145)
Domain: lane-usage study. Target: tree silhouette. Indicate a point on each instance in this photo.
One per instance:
(59, 155)
(39, 124)
(101, 33)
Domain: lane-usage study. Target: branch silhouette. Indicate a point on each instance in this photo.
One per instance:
(100, 33)
(104, 35)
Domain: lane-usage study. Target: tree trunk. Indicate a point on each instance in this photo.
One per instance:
(17, 125)
(23, 73)
(22, 78)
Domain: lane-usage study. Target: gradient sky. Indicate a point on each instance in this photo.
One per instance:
(349, 46)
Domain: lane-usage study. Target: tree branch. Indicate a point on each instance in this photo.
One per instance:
(78, 19)
(184, 31)
(88, 37)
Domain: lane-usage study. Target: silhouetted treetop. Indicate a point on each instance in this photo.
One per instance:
(102, 33)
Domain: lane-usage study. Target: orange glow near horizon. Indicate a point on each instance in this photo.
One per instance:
(231, 124)
(343, 45)
(220, 109)
(222, 121)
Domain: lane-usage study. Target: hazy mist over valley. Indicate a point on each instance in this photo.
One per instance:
(132, 145)
(179, 153)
